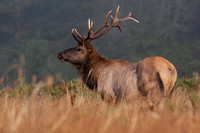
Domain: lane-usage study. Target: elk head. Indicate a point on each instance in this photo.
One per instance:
(80, 54)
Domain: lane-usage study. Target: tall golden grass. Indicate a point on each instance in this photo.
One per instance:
(85, 112)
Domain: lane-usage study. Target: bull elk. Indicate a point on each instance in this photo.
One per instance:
(118, 78)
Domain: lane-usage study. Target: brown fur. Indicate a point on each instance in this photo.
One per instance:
(121, 79)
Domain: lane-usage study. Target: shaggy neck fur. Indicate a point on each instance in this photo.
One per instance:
(89, 72)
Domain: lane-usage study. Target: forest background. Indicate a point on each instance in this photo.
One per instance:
(33, 32)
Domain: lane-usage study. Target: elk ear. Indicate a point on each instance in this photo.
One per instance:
(89, 46)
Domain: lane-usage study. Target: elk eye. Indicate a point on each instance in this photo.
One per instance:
(78, 49)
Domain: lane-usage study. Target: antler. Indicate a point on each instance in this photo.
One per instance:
(114, 23)
(79, 39)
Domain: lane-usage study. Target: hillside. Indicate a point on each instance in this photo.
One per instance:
(40, 29)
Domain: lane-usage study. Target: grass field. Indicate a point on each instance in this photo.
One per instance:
(69, 107)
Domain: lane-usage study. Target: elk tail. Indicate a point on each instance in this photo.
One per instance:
(160, 82)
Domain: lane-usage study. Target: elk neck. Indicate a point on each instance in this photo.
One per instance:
(89, 72)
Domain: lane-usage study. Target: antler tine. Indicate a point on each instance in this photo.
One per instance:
(90, 25)
(128, 17)
(119, 27)
(75, 37)
(104, 24)
(117, 11)
(129, 14)
(112, 20)
(79, 35)
(106, 18)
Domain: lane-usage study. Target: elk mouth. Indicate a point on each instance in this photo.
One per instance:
(63, 60)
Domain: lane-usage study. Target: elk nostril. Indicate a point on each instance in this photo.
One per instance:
(59, 56)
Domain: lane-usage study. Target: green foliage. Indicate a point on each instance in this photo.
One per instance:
(23, 89)
(57, 91)
(195, 99)
(2, 92)
(171, 106)
(18, 89)
(190, 84)
(73, 88)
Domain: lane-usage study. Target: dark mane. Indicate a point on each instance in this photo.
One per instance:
(89, 72)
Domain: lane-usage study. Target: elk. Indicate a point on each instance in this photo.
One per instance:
(118, 79)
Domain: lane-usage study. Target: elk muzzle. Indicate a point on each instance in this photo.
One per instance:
(61, 56)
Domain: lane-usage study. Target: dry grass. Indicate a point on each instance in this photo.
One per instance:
(89, 114)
